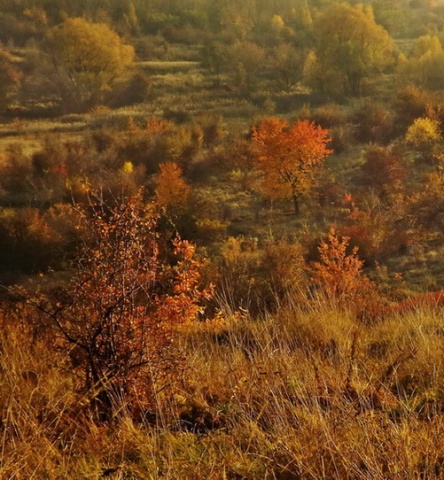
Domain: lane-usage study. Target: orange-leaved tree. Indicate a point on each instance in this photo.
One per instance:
(172, 191)
(339, 277)
(119, 315)
(289, 157)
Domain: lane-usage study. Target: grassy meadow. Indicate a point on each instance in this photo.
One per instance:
(302, 394)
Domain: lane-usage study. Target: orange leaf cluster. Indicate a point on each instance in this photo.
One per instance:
(289, 156)
(172, 191)
(339, 276)
(123, 308)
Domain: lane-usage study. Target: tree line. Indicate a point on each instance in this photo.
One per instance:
(335, 49)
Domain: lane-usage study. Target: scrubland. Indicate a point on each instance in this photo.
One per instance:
(221, 240)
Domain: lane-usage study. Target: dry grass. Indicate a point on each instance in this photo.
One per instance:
(298, 395)
(168, 65)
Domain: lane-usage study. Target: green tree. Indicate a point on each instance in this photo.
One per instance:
(214, 58)
(286, 65)
(88, 59)
(425, 67)
(393, 16)
(130, 21)
(245, 60)
(350, 47)
(235, 18)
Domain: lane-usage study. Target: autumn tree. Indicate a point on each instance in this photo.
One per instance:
(172, 191)
(88, 59)
(339, 276)
(241, 158)
(350, 47)
(372, 122)
(118, 316)
(28, 242)
(260, 279)
(289, 156)
(384, 171)
(424, 136)
(411, 102)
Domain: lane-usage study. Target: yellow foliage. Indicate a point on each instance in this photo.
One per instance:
(423, 130)
(171, 189)
(277, 22)
(424, 135)
(88, 57)
(350, 47)
(128, 167)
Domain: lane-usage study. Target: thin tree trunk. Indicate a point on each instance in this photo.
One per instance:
(297, 210)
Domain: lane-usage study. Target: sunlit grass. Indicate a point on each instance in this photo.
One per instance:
(168, 65)
(303, 393)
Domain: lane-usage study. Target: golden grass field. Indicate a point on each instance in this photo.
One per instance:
(301, 394)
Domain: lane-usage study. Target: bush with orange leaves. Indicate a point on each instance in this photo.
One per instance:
(339, 278)
(118, 318)
(172, 192)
